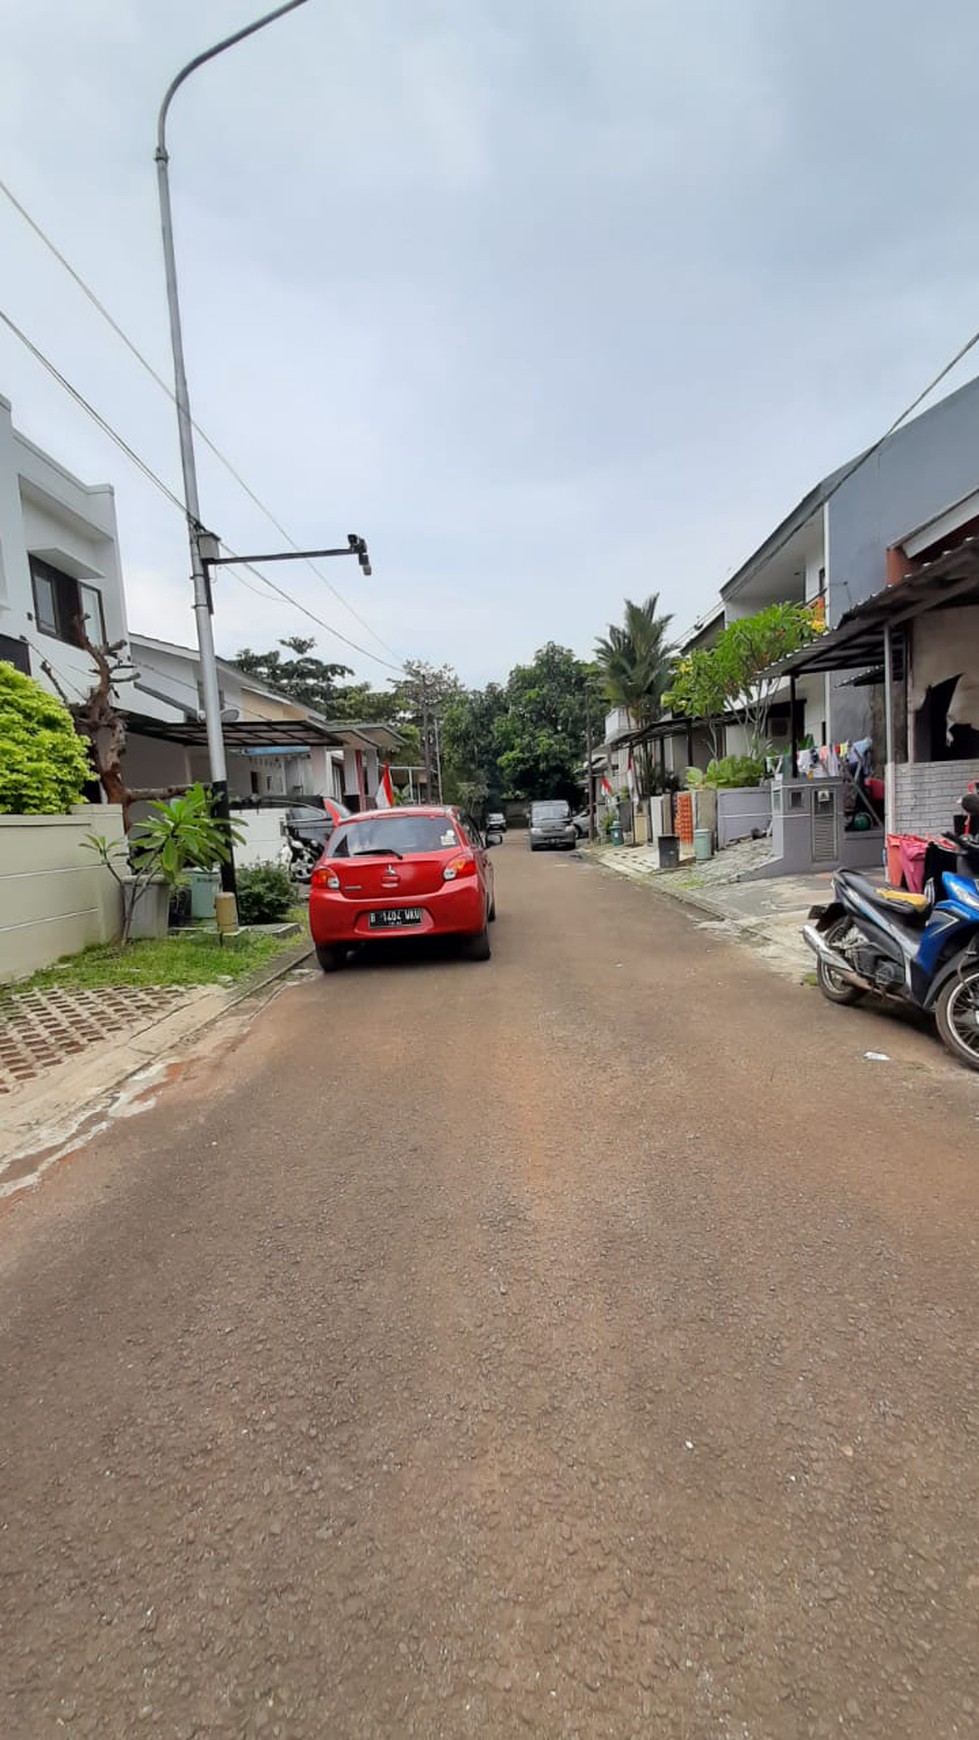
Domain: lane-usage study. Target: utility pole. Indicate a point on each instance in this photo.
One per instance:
(203, 604)
(588, 768)
(426, 743)
(438, 754)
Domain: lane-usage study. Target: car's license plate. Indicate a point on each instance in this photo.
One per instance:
(394, 917)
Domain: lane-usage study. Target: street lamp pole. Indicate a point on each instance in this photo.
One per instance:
(203, 607)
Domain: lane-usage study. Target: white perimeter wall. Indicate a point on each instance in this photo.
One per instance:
(55, 898)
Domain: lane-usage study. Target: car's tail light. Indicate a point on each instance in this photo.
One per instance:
(464, 865)
(323, 877)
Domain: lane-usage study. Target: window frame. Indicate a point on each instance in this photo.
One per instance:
(65, 608)
(45, 624)
(94, 592)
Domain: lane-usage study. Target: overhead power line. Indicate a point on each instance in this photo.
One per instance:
(172, 497)
(96, 416)
(155, 376)
(274, 587)
(862, 458)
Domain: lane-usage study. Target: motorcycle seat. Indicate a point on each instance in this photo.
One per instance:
(896, 902)
(903, 897)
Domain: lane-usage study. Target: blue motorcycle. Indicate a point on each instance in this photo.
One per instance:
(912, 948)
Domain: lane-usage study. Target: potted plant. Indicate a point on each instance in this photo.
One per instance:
(173, 838)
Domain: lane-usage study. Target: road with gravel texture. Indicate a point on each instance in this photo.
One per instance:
(580, 1344)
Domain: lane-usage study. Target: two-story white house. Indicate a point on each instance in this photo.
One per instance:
(59, 563)
(61, 577)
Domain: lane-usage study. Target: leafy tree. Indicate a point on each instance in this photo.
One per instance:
(302, 677)
(540, 732)
(43, 765)
(734, 675)
(420, 698)
(698, 690)
(470, 748)
(747, 649)
(358, 703)
(636, 660)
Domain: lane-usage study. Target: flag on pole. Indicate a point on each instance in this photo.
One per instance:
(606, 788)
(384, 798)
(631, 776)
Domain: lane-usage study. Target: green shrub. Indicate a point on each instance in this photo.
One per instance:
(724, 775)
(265, 894)
(44, 766)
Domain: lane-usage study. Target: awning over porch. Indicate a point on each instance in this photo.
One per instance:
(268, 735)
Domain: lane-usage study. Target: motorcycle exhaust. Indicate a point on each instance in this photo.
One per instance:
(817, 942)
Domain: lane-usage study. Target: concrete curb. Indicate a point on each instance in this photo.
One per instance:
(263, 976)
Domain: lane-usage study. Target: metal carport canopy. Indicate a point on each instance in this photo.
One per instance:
(243, 734)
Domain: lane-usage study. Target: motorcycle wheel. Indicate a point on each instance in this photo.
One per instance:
(957, 1017)
(835, 989)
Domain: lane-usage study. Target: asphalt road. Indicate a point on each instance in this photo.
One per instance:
(580, 1344)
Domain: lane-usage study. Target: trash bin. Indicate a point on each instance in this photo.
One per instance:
(204, 885)
(669, 851)
(703, 844)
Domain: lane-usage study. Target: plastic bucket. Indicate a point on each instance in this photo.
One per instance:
(669, 851)
(702, 844)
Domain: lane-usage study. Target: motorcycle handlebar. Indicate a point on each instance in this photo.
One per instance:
(967, 847)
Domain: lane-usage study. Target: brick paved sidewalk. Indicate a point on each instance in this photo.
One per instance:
(42, 1028)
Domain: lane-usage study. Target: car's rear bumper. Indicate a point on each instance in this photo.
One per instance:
(457, 909)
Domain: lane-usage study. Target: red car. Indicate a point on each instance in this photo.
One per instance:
(423, 871)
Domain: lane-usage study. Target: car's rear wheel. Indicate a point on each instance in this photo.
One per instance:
(477, 948)
(331, 958)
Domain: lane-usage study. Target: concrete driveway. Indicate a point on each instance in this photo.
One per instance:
(580, 1344)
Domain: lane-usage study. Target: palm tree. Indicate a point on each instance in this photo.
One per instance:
(636, 661)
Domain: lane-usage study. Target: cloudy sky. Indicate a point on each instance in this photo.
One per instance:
(554, 300)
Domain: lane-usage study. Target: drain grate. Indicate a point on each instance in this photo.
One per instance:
(41, 1028)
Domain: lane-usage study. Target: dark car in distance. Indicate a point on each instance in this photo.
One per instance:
(551, 826)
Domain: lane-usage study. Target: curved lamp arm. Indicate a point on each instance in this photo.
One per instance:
(209, 54)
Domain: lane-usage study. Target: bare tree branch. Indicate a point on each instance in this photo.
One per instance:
(98, 718)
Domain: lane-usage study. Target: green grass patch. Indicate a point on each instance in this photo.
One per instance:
(180, 960)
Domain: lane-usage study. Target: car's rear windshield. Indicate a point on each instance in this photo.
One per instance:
(394, 833)
(555, 812)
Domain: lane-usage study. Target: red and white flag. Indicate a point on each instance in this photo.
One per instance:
(384, 796)
(606, 788)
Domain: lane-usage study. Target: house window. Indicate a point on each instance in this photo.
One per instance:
(90, 599)
(15, 653)
(59, 601)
